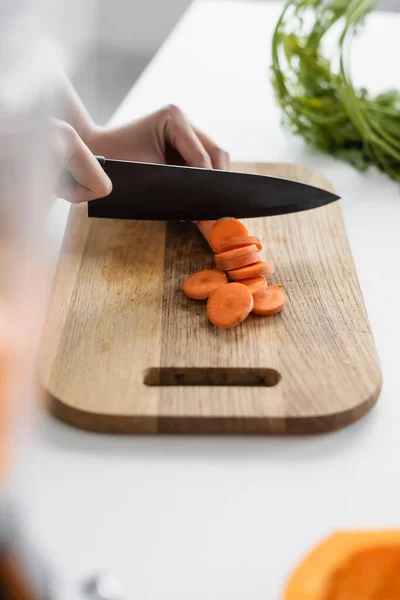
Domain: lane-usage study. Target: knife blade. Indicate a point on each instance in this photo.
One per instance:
(146, 191)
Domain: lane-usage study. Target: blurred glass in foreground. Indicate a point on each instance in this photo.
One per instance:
(28, 74)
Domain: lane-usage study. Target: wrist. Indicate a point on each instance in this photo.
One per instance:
(96, 139)
(106, 142)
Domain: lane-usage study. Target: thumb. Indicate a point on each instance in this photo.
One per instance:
(86, 179)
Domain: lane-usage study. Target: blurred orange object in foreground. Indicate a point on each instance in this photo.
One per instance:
(27, 76)
(3, 432)
(353, 565)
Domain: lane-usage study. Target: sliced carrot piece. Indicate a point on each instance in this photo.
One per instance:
(242, 261)
(205, 228)
(254, 283)
(258, 268)
(223, 230)
(241, 242)
(200, 285)
(269, 300)
(229, 305)
(236, 253)
(232, 255)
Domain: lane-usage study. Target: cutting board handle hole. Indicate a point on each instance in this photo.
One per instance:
(216, 376)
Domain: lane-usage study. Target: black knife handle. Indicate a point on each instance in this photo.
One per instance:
(66, 178)
(101, 160)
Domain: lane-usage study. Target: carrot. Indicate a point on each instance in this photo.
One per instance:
(200, 285)
(205, 228)
(258, 268)
(229, 305)
(269, 300)
(237, 257)
(223, 230)
(255, 283)
(236, 263)
(234, 255)
(241, 242)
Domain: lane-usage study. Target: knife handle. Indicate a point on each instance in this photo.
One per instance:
(101, 160)
(66, 178)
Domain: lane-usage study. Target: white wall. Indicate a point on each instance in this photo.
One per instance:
(135, 26)
(138, 25)
(72, 22)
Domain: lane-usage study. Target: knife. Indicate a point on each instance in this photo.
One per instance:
(146, 191)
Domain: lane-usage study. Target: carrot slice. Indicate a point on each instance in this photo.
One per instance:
(229, 305)
(269, 300)
(236, 253)
(223, 230)
(241, 261)
(232, 255)
(241, 242)
(200, 285)
(205, 228)
(258, 268)
(254, 283)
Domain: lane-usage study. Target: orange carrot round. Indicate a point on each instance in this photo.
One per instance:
(200, 285)
(269, 300)
(258, 268)
(236, 253)
(254, 283)
(229, 305)
(242, 261)
(223, 230)
(241, 242)
(224, 259)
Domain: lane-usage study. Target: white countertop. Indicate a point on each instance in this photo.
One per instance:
(226, 518)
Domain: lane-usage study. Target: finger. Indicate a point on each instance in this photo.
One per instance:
(219, 157)
(92, 181)
(181, 135)
(87, 179)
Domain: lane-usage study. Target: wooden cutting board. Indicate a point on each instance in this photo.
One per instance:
(125, 351)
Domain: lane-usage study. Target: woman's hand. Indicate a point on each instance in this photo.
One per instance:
(148, 139)
(86, 179)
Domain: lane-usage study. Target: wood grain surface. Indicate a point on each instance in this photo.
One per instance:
(125, 351)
